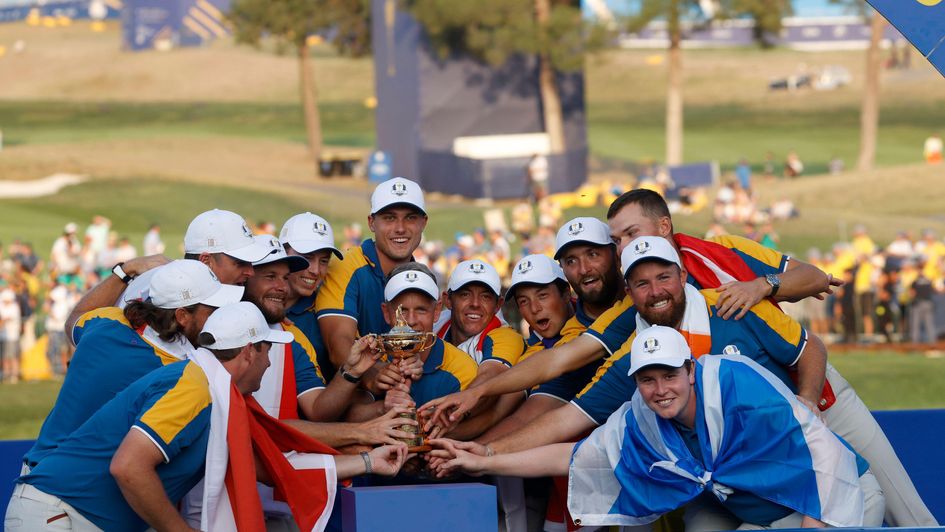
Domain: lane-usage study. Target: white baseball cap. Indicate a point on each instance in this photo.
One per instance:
(582, 230)
(238, 324)
(658, 345)
(646, 248)
(308, 232)
(70, 228)
(277, 254)
(535, 269)
(410, 280)
(475, 271)
(182, 283)
(397, 191)
(219, 231)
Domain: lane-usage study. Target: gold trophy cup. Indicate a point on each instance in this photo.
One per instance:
(401, 343)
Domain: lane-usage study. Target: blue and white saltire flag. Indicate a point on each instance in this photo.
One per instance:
(920, 21)
(755, 437)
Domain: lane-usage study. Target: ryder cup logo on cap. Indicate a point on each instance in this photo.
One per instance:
(397, 191)
(410, 280)
(475, 271)
(220, 231)
(182, 283)
(277, 254)
(648, 248)
(583, 230)
(651, 344)
(658, 346)
(308, 232)
(238, 324)
(536, 270)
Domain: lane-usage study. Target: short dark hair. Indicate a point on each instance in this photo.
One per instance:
(562, 287)
(223, 355)
(162, 320)
(651, 203)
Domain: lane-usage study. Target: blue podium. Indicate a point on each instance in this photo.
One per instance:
(448, 507)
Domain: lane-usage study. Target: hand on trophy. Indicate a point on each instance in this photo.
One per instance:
(450, 456)
(365, 352)
(386, 430)
(388, 460)
(398, 396)
(390, 377)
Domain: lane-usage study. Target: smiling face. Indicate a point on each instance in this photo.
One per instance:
(592, 272)
(668, 392)
(631, 222)
(545, 307)
(268, 290)
(397, 232)
(303, 283)
(420, 311)
(472, 306)
(658, 291)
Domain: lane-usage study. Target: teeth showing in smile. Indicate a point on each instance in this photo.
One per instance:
(660, 304)
(401, 240)
(664, 402)
(474, 316)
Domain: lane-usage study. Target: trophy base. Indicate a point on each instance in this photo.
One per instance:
(419, 449)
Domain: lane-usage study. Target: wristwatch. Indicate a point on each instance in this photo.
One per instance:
(349, 377)
(775, 283)
(120, 273)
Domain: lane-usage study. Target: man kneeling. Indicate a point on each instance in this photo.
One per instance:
(720, 432)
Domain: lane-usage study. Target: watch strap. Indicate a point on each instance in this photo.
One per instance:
(119, 272)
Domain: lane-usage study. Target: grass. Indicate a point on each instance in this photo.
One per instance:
(885, 381)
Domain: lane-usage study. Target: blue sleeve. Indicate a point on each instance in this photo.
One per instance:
(176, 412)
(566, 386)
(613, 327)
(761, 268)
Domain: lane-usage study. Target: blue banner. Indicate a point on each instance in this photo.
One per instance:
(920, 21)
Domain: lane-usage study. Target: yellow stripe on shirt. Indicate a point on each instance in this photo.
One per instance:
(109, 313)
(459, 364)
(785, 326)
(179, 405)
(331, 295)
(750, 247)
(307, 346)
(609, 361)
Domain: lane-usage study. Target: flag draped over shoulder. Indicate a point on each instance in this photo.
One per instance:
(920, 21)
(302, 468)
(754, 437)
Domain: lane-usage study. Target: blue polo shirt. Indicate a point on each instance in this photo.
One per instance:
(766, 335)
(445, 371)
(614, 326)
(171, 405)
(354, 287)
(109, 356)
(565, 386)
(302, 315)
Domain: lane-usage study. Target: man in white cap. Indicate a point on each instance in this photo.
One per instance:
(111, 353)
(293, 388)
(129, 464)
(311, 237)
(349, 303)
(220, 239)
(661, 450)
(472, 323)
(443, 368)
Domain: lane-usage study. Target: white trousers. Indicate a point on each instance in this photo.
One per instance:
(31, 509)
(851, 420)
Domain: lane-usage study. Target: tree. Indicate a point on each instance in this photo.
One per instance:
(290, 23)
(767, 15)
(494, 30)
(869, 108)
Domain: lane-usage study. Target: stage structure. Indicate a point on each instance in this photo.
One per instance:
(458, 126)
(167, 24)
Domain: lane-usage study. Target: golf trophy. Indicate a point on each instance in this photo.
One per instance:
(399, 344)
